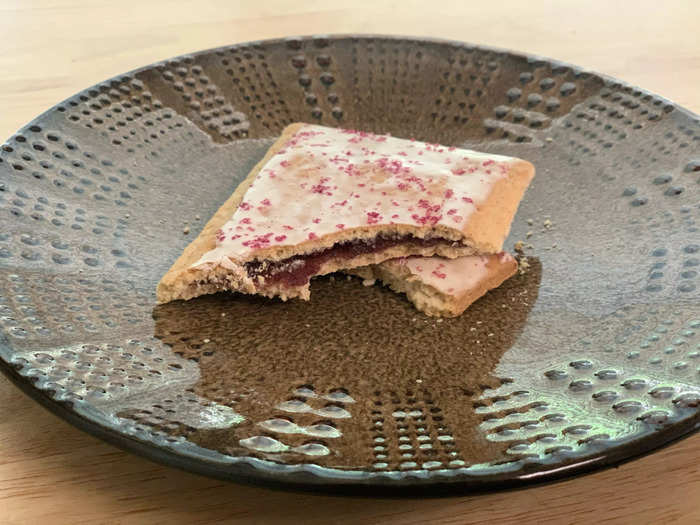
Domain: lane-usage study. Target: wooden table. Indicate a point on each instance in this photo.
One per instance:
(52, 473)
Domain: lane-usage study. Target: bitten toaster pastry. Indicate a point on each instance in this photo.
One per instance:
(442, 287)
(325, 199)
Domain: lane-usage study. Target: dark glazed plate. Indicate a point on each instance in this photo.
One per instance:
(590, 357)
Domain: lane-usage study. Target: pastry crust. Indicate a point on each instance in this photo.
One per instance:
(442, 287)
(175, 283)
(209, 265)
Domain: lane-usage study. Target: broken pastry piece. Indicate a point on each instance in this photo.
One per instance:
(325, 199)
(442, 287)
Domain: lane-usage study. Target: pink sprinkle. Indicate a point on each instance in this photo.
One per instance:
(341, 203)
(426, 219)
(467, 199)
(452, 211)
(350, 170)
(340, 226)
(424, 204)
(458, 171)
(395, 216)
(321, 187)
(373, 217)
(437, 273)
(234, 237)
(280, 238)
(286, 227)
(312, 236)
(258, 242)
(449, 194)
(284, 163)
(392, 166)
(245, 220)
(488, 162)
(244, 206)
(452, 148)
(220, 235)
(265, 202)
(457, 218)
(316, 220)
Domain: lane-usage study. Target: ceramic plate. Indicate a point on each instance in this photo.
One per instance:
(589, 357)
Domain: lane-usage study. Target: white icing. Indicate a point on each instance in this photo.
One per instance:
(325, 180)
(454, 276)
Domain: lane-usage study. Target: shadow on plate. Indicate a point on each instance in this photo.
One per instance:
(355, 378)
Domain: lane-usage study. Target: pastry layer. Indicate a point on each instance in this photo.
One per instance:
(442, 287)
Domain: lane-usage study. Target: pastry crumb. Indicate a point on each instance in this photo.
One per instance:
(523, 265)
(547, 223)
(439, 320)
(530, 222)
(529, 234)
(549, 139)
(206, 341)
(186, 230)
(518, 246)
(368, 282)
(196, 217)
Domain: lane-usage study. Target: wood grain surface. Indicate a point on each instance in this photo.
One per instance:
(53, 473)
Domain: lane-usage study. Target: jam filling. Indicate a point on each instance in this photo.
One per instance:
(297, 270)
